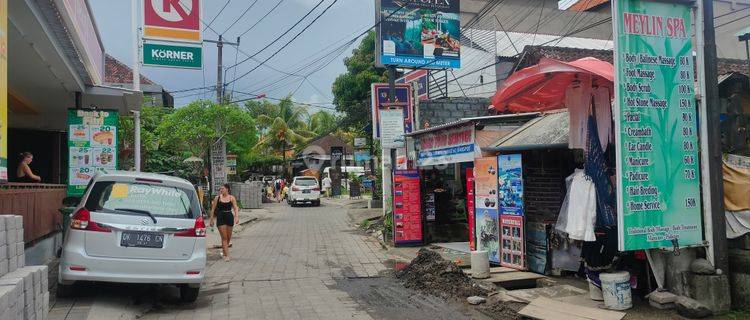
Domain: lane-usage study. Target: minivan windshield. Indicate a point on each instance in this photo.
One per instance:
(306, 182)
(143, 199)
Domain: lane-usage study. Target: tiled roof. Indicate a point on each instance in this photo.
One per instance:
(117, 72)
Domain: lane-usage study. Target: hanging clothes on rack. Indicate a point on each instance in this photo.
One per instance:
(603, 107)
(596, 168)
(578, 101)
(578, 212)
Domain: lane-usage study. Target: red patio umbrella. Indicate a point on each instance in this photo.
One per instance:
(542, 87)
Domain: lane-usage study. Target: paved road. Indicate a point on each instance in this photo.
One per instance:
(292, 263)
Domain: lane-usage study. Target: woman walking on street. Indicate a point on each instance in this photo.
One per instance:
(225, 212)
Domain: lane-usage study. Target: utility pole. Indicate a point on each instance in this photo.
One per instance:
(219, 67)
(136, 84)
(710, 135)
(218, 170)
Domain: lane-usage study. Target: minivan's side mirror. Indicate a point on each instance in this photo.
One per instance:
(71, 201)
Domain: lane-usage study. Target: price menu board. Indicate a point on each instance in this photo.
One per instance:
(92, 146)
(407, 211)
(656, 128)
(513, 249)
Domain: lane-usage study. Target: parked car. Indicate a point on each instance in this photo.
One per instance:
(136, 228)
(304, 189)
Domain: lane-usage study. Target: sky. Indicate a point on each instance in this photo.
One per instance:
(343, 21)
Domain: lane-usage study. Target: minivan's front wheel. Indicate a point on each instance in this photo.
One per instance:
(188, 294)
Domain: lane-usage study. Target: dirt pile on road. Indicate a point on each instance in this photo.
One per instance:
(432, 274)
(503, 310)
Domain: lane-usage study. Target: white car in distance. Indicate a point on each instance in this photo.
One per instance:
(304, 189)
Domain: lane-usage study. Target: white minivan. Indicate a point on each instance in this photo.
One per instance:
(134, 227)
(304, 189)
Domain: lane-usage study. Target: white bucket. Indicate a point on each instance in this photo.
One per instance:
(480, 264)
(595, 293)
(616, 290)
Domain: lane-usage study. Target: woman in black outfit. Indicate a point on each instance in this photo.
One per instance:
(224, 211)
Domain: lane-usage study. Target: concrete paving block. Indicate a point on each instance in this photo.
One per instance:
(3, 266)
(45, 302)
(5, 293)
(21, 261)
(3, 252)
(8, 221)
(10, 236)
(712, 291)
(12, 264)
(11, 251)
(19, 235)
(29, 313)
(3, 237)
(16, 285)
(2, 222)
(19, 222)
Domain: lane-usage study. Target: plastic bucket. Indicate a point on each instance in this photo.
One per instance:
(616, 290)
(595, 293)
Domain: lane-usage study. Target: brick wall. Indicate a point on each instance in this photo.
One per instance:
(441, 111)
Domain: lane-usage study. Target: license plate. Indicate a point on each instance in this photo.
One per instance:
(305, 191)
(142, 240)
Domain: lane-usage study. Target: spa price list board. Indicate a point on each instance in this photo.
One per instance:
(656, 129)
(92, 146)
(407, 211)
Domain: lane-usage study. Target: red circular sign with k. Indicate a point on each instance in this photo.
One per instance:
(178, 14)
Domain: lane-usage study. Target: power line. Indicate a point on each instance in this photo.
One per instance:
(240, 17)
(281, 36)
(288, 42)
(261, 18)
(730, 21)
(218, 14)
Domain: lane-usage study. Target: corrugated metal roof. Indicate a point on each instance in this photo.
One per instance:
(489, 119)
(549, 129)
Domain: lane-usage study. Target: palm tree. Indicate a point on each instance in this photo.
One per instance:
(322, 122)
(282, 127)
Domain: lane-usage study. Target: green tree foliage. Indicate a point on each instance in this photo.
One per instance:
(351, 90)
(192, 128)
(323, 122)
(158, 157)
(282, 127)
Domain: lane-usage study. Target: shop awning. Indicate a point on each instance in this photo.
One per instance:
(549, 131)
(542, 87)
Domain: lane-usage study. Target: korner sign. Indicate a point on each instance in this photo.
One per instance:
(167, 55)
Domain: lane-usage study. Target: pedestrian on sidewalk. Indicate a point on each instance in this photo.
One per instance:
(327, 186)
(225, 212)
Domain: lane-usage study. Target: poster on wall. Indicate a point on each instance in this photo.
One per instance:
(403, 101)
(446, 146)
(392, 124)
(407, 211)
(658, 186)
(510, 184)
(92, 146)
(421, 34)
(486, 223)
(513, 250)
(3, 91)
(470, 206)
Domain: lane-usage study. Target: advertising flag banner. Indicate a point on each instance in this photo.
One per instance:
(658, 186)
(92, 146)
(487, 224)
(470, 206)
(510, 184)
(3, 91)
(173, 20)
(421, 34)
(402, 101)
(407, 211)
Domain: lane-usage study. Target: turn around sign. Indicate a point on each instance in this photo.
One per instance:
(174, 20)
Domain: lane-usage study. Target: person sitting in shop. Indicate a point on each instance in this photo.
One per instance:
(23, 172)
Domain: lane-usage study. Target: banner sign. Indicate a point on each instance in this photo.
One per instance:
(3, 91)
(513, 249)
(510, 184)
(92, 146)
(470, 206)
(420, 78)
(407, 211)
(402, 101)
(446, 146)
(392, 124)
(659, 199)
(172, 55)
(231, 164)
(173, 20)
(487, 225)
(361, 155)
(360, 142)
(421, 34)
(218, 165)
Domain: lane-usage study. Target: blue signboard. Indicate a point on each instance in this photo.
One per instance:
(421, 34)
(510, 184)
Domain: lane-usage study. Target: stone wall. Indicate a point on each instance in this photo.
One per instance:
(441, 111)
